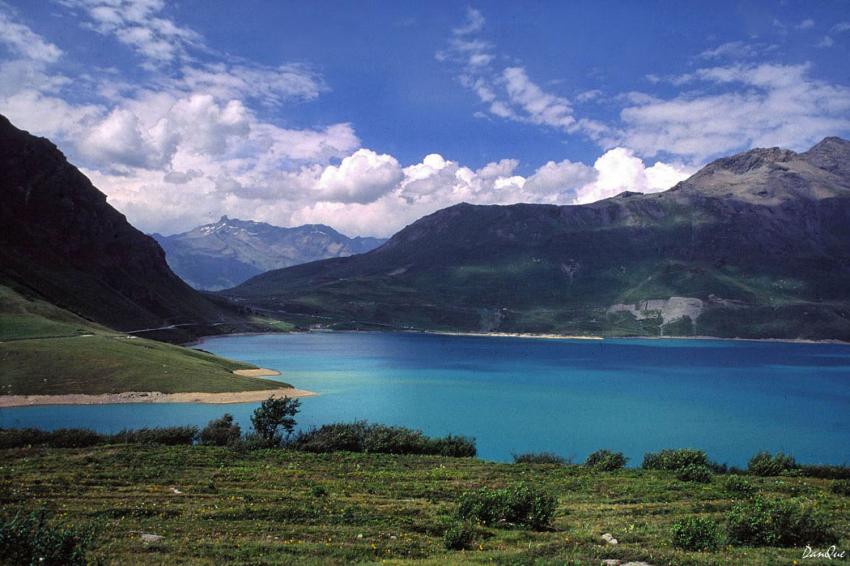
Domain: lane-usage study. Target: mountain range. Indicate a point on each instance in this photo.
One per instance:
(228, 252)
(754, 245)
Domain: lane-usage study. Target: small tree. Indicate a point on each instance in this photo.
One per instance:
(272, 414)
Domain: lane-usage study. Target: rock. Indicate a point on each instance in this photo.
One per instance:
(609, 539)
(360, 535)
(148, 537)
(611, 562)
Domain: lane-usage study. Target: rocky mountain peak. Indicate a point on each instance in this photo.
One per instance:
(752, 159)
(225, 253)
(831, 154)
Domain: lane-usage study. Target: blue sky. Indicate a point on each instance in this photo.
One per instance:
(366, 116)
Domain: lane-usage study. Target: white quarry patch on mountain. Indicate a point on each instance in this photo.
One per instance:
(670, 310)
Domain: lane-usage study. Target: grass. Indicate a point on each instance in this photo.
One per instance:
(273, 324)
(45, 350)
(280, 507)
(111, 364)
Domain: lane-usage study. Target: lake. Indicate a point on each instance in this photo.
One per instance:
(729, 398)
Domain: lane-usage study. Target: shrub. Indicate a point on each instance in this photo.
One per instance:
(74, 438)
(393, 440)
(30, 539)
(695, 473)
(674, 459)
(454, 446)
(337, 437)
(777, 523)
(763, 464)
(519, 505)
(696, 533)
(319, 491)
(169, 436)
(221, 432)
(361, 436)
(273, 414)
(60, 438)
(736, 485)
(720, 469)
(826, 472)
(458, 536)
(21, 437)
(841, 487)
(247, 442)
(606, 460)
(538, 458)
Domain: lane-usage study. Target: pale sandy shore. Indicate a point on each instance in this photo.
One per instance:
(587, 337)
(519, 335)
(150, 397)
(259, 372)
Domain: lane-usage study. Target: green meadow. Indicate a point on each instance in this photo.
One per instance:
(45, 350)
(214, 505)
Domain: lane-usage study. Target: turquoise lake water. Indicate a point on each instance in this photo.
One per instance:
(515, 395)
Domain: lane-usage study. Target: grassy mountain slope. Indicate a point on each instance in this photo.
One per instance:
(755, 245)
(45, 350)
(76, 279)
(62, 242)
(230, 251)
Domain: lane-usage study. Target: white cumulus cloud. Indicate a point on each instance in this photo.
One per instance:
(362, 177)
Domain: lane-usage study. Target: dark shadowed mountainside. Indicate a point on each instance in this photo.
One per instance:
(753, 245)
(230, 251)
(60, 241)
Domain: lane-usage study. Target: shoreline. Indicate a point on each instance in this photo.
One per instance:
(550, 336)
(545, 336)
(10, 401)
(513, 335)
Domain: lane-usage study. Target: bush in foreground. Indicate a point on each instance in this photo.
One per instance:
(221, 432)
(458, 536)
(364, 437)
(517, 505)
(763, 464)
(826, 472)
(777, 523)
(606, 461)
(738, 486)
(696, 533)
(169, 436)
(21, 437)
(841, 487)
(60, 438)
(30, 539)
(674, 459)
(539, 458)
(695, 473)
